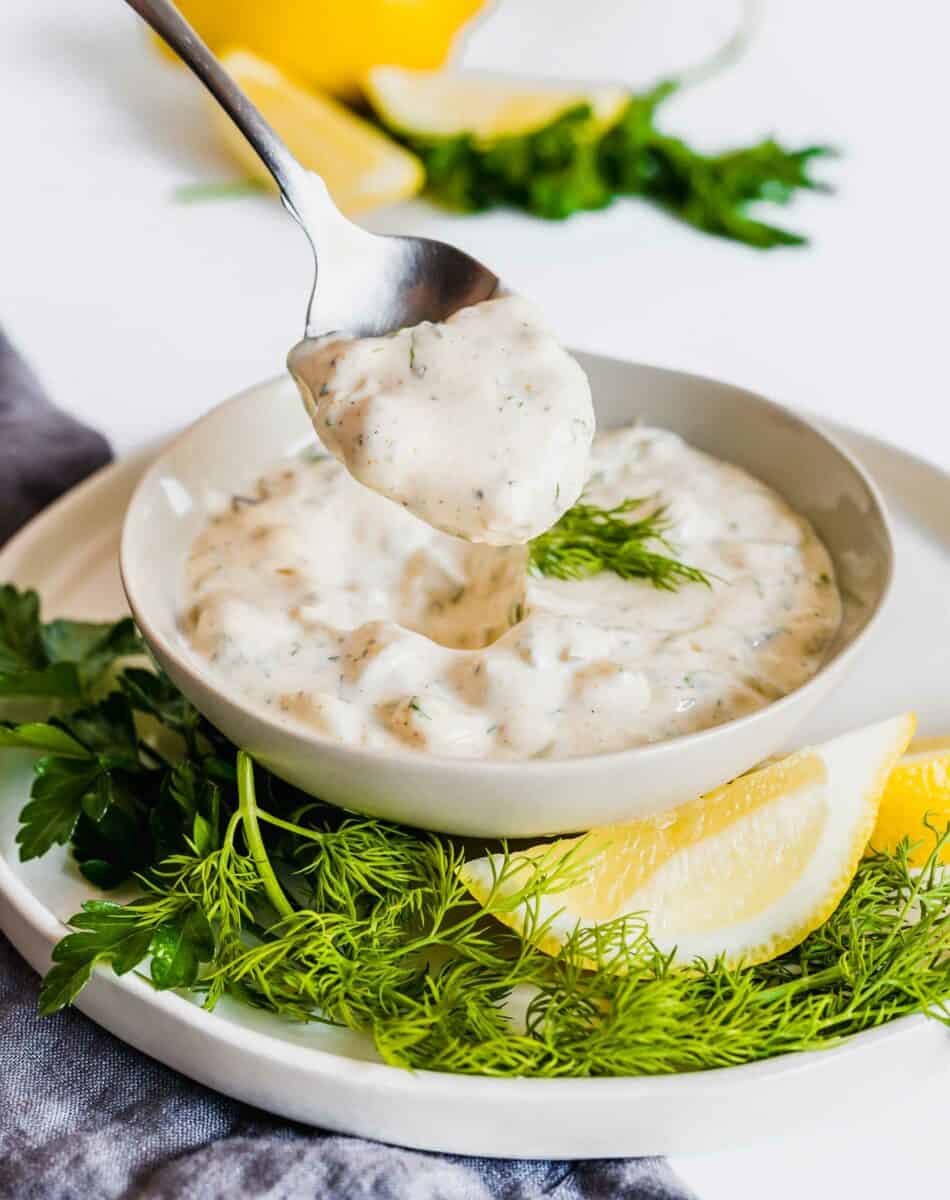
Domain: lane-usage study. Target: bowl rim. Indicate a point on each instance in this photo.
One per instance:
(632, 755)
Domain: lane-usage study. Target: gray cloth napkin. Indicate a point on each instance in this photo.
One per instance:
(85, 1117)
(43, 451)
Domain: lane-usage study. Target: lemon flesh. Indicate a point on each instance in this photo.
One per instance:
(489, 107)
(917, 792)
(747, 871)
(361, 166)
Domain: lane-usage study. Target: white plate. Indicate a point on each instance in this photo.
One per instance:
(331, 1078)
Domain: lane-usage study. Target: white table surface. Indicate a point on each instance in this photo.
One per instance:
(140, 312)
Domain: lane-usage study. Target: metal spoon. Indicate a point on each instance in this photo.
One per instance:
(364, 284)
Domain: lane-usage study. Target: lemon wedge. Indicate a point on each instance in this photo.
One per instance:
(330, 44)
(361, 166)
(918, 789)
(747, 871)
(442, 103)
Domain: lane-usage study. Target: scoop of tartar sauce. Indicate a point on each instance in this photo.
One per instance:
(480, 425)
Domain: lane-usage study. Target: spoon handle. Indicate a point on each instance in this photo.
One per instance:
(301, 197)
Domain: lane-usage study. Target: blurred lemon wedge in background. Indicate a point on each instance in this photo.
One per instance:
(361, 166)
(442, 104)
(918, 788)
(747, 871)
(330, 44)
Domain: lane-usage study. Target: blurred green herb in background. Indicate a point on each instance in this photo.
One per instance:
(572, 165)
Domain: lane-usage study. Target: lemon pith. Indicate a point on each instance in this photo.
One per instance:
(360, 165)
(747, 871)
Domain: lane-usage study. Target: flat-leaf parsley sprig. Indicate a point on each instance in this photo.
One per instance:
(59, 659)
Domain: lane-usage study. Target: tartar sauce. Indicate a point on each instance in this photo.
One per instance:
(336, 609)
(480, 425)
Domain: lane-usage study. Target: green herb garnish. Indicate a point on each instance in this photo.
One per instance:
(550, 172)
(588, 540)
(573, 164)
(708, 191)
(62, 659)
(251, 889)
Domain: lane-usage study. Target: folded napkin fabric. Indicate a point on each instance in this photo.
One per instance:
(85, 1117)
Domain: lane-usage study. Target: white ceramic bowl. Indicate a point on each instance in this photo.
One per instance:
(234, 444)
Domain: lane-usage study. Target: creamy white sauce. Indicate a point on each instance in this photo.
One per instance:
(341, 611)
(480, 425)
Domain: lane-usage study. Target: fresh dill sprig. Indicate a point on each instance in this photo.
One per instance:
(588, 540)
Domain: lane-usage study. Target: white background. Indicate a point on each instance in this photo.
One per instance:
(140, 312)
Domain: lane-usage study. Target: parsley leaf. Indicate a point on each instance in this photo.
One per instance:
(179, 947)
(123, 935)
(90, 647)
(114, 838)
(63, 659)
(108, 730)
(36, 736)
(106, 932)
(56, 803)
(81, 788)
(21, 645)
(63, 982)
(154, 693)
(97, 785)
